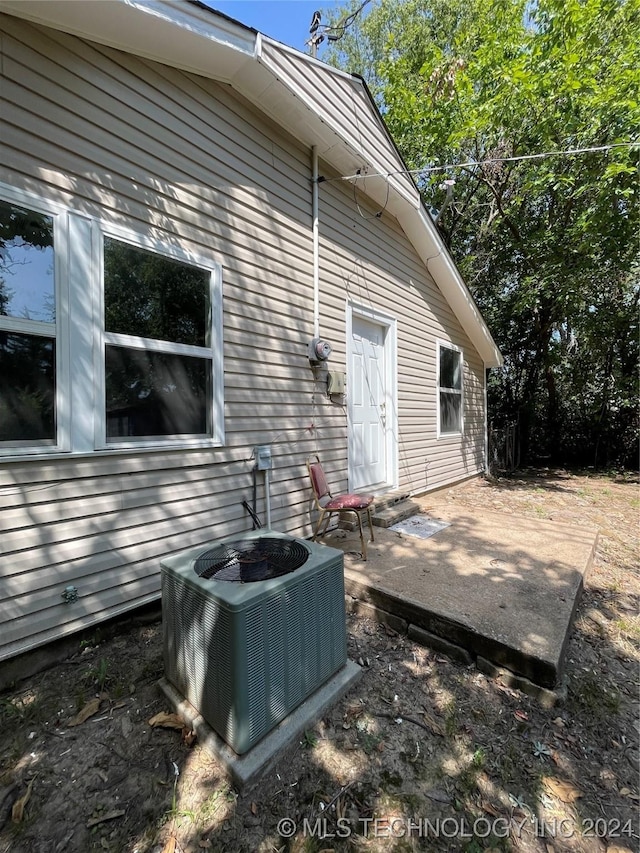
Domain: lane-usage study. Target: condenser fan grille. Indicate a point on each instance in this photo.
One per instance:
(248, 560)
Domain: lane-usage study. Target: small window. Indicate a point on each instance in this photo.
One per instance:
(158, 346)
(27, 328)
(449, 390)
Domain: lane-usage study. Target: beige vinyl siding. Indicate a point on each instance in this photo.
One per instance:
(346, 98)
(369, 261)
(144, 146)
(190, 162)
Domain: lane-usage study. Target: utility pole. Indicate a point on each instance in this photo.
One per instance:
(316, 38)
(318, 31)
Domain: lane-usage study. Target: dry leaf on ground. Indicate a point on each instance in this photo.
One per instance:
(627, 792)
(170, 846)
(17, 812)
(89, 710)
(489, 808)
(109, 816)
(564, 791)
(433, 724)
(167, 721)
(189, 737)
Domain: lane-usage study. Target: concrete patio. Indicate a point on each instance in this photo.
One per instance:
(495, 590)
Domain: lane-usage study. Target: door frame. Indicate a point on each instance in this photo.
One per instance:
(389, 323)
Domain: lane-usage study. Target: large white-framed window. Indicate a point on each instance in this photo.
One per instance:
(33, 362)
(449, 366)
(109, 339)
(159, 352)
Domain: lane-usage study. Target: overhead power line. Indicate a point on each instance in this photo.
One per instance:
(571, 152)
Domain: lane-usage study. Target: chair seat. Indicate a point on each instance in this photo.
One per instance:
(327, 504)
(349, 502)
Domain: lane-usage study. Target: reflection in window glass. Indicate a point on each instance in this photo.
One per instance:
(450, 390)
(156, 394)
(27, 387)
(151, 296)
(450, 376)
(450, 410)
(26, 264)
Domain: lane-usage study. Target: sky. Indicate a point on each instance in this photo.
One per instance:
(285, 20)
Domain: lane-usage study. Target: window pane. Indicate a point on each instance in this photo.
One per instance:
(155, 394)
(151, 296)
(26, 264)
(450, 411)
(450, 375)
(27, 388)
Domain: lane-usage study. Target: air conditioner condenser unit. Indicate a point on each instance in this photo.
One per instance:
(252, 626)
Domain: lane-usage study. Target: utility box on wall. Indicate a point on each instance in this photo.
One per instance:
(336, 382)
(263, 459)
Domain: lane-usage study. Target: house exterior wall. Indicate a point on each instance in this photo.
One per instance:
(188, 163)
(346, 101)
(368, 261)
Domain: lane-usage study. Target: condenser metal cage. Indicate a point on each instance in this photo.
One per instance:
(246, 637)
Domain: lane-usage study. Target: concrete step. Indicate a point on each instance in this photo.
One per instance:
(393, 513)
(386, 499)
(382, 508)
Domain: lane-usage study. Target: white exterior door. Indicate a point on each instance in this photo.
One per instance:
(371, 409)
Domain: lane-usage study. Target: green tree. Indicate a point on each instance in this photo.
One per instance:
(549, 246)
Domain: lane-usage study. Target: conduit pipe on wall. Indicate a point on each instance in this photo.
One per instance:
(316, 242)
(267, 498)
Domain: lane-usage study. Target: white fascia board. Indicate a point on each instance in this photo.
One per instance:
(420, 229)
(178, 34)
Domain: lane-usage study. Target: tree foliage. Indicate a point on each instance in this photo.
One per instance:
(549, 246)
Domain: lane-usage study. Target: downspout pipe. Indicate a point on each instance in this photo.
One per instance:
(486, 421)
(316, 242)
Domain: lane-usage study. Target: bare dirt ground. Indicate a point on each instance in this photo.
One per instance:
(423, 754)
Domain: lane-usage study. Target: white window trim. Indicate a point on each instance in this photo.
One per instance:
(80, 338)
(213, 352)
(59, 330)
(448, 345)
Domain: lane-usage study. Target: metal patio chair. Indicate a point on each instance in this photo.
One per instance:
(328, 505)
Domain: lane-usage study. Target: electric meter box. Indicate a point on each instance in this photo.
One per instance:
(319, 350)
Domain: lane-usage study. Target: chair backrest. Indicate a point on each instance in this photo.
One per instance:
(318, 480)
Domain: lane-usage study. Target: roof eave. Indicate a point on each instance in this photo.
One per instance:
(194, 38)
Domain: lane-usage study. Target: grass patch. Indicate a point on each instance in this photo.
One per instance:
(451, 718)
(467, 782)
(629, 627)
(27, 708)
